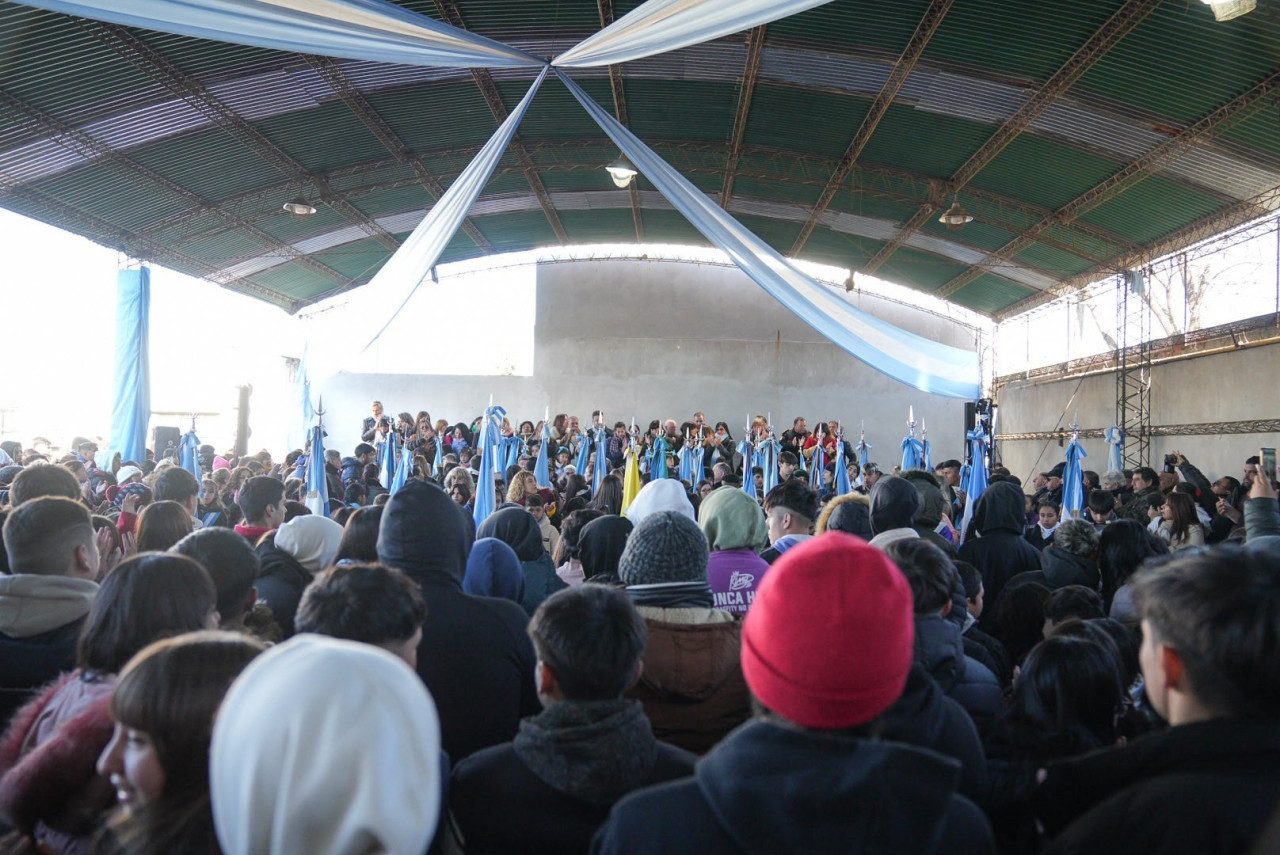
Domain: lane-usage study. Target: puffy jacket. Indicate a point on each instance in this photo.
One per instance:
(999, 552)
(939, 649)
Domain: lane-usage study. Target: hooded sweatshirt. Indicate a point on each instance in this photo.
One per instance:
(517, 528)
(40, 621)
(493, 570)
(735, 529)
(894, 505)
(1000, 552)
(600, 546)
(475, 656)
(926, 718)
(770, 789)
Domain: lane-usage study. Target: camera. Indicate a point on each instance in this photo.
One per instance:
(1171, 460)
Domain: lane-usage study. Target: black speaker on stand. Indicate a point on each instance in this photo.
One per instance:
(989, 409)
(166, 440)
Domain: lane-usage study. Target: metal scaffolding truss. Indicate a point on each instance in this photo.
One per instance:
(1133, 371)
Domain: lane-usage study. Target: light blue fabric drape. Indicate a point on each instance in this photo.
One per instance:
(541, 470)
(912, 453)
(696, 469)
(909, 358)
(748, 455)
(1115, 449)
(771, 450)
(300, 430)
(402, 470)
(131, 398)
(659, 26)
(817, 464)
(864, 457)
(490, 429)
(842, 484)
(659, 468)
(600, 470)
(352, 29)
(973, 477)
(926, 456)
(686, 462)
(1073, 480)
(388, 454)
(584, 455)
(317, 482)
(190, 453)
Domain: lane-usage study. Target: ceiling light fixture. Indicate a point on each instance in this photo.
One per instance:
(1225, 10)
(621, 171)
(955, 217)
(299, 206)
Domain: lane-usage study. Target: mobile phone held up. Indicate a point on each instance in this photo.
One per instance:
(1268, 464)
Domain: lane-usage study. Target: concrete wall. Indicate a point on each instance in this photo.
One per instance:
(663, 339)
(1232, 386)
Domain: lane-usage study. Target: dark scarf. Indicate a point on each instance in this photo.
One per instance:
(596, 751)
(673, 595)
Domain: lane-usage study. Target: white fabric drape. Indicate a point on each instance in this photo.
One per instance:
(372, 30)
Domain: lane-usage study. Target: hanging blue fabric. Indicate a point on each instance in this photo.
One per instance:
(1073, 480)
(909, 358)
(912, 453)
(541, 468)
(864, 457)
(317, 478)
(926, 456)
(300, 430)
(842, 484)
(973, 477)
(512, 447)
(437, 459)
(686, 462)
(772, 448)
(659, 460)
(748, 477)
(1115, 449)
(131, 396)
(584, 455)
(817, 464)
(696, 456)
(490, 428)
(388, 452)
(402, 470)
(601, 468)
(190, 453)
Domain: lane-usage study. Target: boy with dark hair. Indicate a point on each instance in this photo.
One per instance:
(178, 485)
(790, 510)
(232, 564)
(1211, 663)
(262, 502)
(938, 644)
(1072, 602)
(43, 480)
(1101, 509)
(552, 788)
(371, 603)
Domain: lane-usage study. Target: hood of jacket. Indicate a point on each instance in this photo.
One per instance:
(939, 649)
(280, 564)
(425, 534)
(840, 795)
(919, 715)
(690, 653)
(850, 513)
(596, 751)
(1002, 507)
(493, 570)
(932, 503)
(517, 528)
(31, 604)
(894, 504)
(600, 545)
(1062, 568)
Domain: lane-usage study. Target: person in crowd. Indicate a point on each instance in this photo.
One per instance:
(359, 541)
(1019, 620)
(377, 425)
(790, 509)
(949, 472)
(826, 651)
(930, 520)
(849, 513)
(234, 566)
(1067, 701)
(369, 603)
(1179, 525)
(493, 570)
(1210, 783)
(1073, 602)
(663, 494)
(999, 550)
(1041, 534)
(261, 501)
(32, 482)
(376, 787)
(157, 761)
(1122, 549)
(939, 648)
(53, 559)
(461, 487)
(793, 440)
(600, 547)
(609, 497)
(517, 528)
(895, 503)
(1101, 509)
(691, 686)
(567, 556)
(537, 508)
(1068, 560)
(1146, 486)
(549, 789)
(978, 644)
(162, 524)
(49, 789)
(475, 656)
(176, 484)
(291, 557)
(735, 530)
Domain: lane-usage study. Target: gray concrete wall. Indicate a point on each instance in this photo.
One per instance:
(1232, 386)
(663, 339)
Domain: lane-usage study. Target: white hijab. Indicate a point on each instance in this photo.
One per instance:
(662, 494)
(312, 540)
(326, 747)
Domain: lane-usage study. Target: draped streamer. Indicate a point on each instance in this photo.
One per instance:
(696, 470)
(410, 266)
(490, 432)
(864, 457)
(926, 456)
(659, 26)
(904, 356)
(842, 484)
(190, 453)
(601, 469)
(388, 453)
(659, 468)
(631, 479)
(512, 446)
(748, 479)
(131, 397)
(771, 448)
(912, 453)
(686, 462)
(1115, 449)
(437, 459)
(317, 478)
(584, 454)
(541, 468)
(1073, 480)
(403, 468)
(973, 477)
(346, 29)
(817, 464)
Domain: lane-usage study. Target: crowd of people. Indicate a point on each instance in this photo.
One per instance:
(204, 664)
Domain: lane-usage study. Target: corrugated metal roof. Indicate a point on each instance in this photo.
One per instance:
(818, 74)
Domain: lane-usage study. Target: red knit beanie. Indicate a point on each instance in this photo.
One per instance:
(827, 643)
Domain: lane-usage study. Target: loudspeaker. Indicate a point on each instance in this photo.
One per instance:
(167, 438)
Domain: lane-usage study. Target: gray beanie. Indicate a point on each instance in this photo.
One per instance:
(665, 547)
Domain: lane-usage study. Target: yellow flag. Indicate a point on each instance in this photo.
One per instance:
(630, 480)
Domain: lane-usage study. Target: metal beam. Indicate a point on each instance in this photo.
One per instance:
(484, 80)
(158, 67)
(755, 48)
(1259, 97)
(331, 73)
(879, 107)
(1119, 25)
(38, 122)
(605, 8)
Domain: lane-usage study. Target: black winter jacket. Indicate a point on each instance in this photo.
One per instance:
(939, 649)
(926, 718)
(1000, 552)
(280, 583)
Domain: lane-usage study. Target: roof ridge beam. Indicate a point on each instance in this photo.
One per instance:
(1221, 119)
(751, 70)
(1119, 25)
